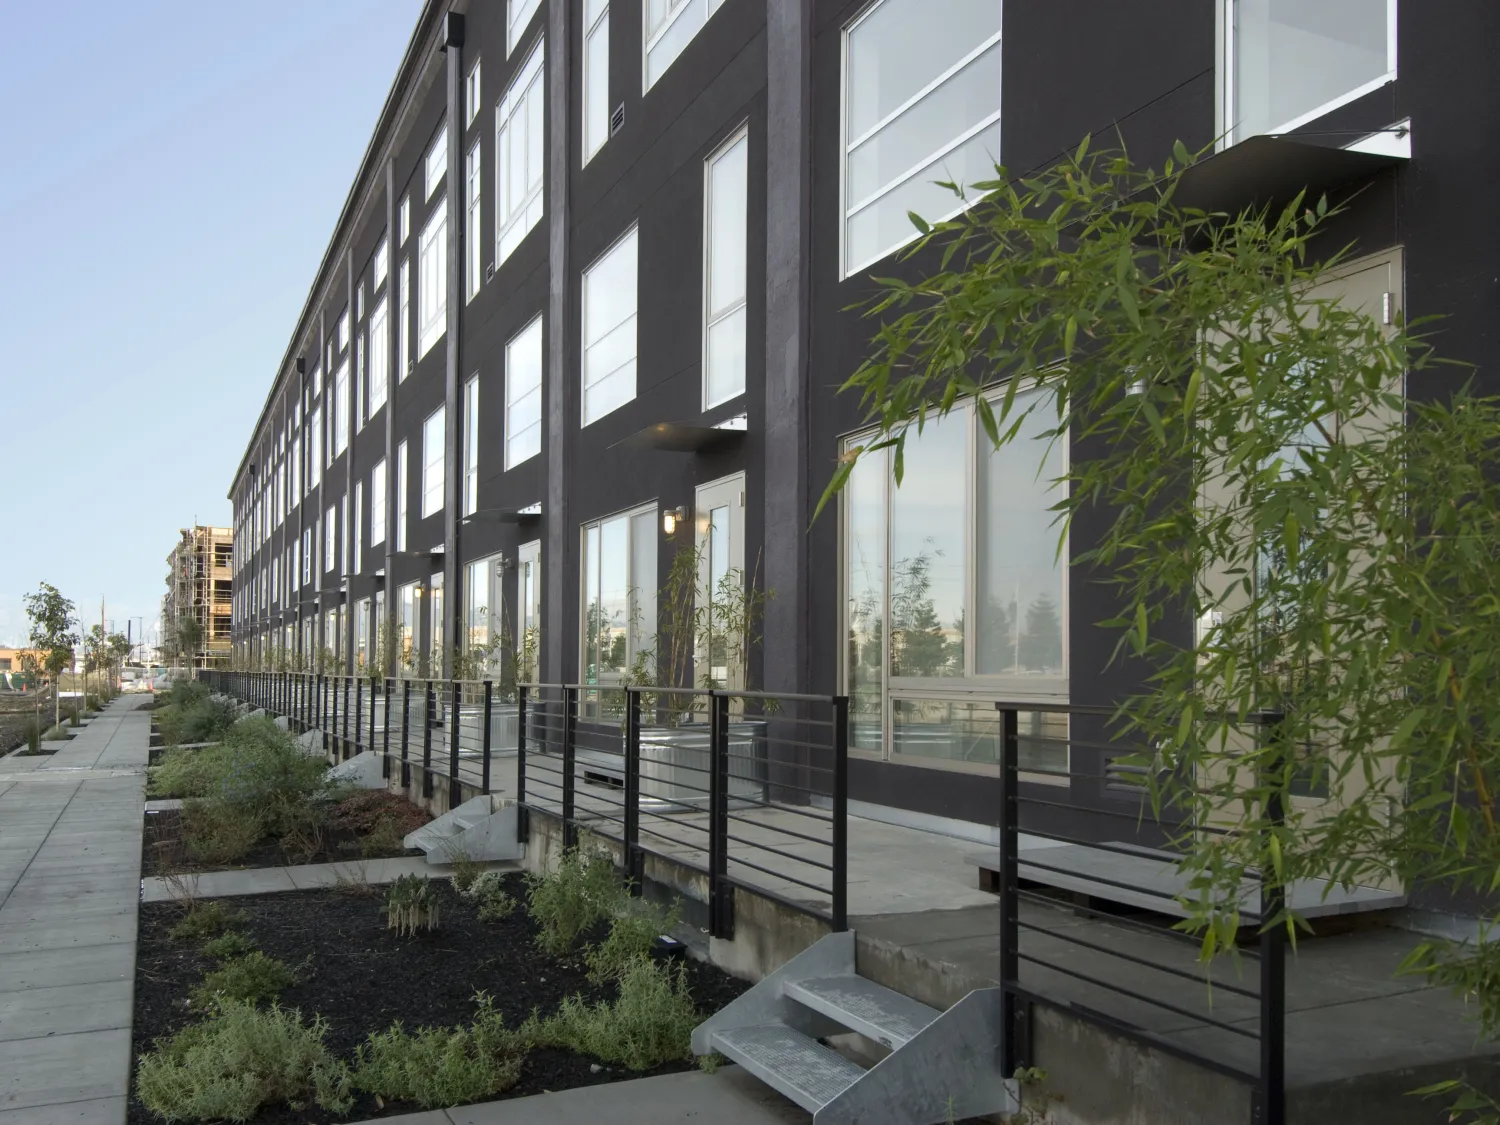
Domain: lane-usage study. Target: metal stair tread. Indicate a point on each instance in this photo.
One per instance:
(861, 1005)
(803, 1069)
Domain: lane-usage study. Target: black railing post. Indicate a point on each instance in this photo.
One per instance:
(337, 712)
(385, 727)
(455, 791)
(405, 730)
(635, 860)
(523, 697)
(359, 714)
(484, 782)
(840, 905)
(720, 890)
(429, 699)
(1012, 1032)
(570, 737)
(1271, 1109)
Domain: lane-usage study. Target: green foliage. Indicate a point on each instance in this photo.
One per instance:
(239, 1059)
(203, 720)
(203, 920)
(488, 889)
(651, 1022)
(251, 977)
(55, 734)
(437, 1067)
(228, 945)
(465, 870)
(216, 832)
(582, 891)
(631, 935)
(33, 731)
(52, 640)
(411, 904)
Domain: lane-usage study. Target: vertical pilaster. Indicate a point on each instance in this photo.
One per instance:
(392, 391)
(559, 546)
(452, 420)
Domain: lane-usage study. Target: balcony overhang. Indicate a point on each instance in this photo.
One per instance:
(505, 515)
(684, 437)
(1270, 171)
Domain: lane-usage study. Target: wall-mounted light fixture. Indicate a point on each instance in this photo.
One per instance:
(670, 519)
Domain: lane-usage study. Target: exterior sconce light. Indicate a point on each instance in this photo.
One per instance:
(670, 519)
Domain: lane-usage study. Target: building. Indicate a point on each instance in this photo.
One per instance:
(200, 586)
(589, 302)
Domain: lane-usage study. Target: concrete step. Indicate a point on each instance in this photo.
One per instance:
(861, 1005)
(802, 1069)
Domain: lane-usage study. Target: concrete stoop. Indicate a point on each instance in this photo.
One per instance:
(363, 771)
(940, 1066)
(482, 828)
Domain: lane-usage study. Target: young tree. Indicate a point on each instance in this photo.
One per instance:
(1244, 439)
(51, 639)
(189, 637)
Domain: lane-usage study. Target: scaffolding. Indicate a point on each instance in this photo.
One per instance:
(200, 588)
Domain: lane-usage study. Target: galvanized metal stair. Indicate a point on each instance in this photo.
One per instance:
(482, 828)
(941, 1066)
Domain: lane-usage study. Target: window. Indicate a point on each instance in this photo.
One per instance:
(483, 614)
(361, 634)
(519, 157)
(380, 356)
(432, 297)
(342, 334)
(343, 535)
(403, 220)
(725, 217)
(472, 96)
(307, 550)
(595, 76)
(377, 503)
(361, 381)
(330, 538)
(314, 448)
(317, 381)
(338, 410)
(1288, 63)
(401, 491)
(359, 528)
(296, 494)
(473, 271)
(609, 339)
(406, 637)
(403, 326)
(523, 394)
(619, 593)
(922, 106)
(437, 161)
(471, 446)
(434, 459)
(435, 646)
(382, 263)
(670, 26)
(952, 585)
(518, 18)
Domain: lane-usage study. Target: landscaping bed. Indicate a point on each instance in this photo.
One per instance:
(362, 976)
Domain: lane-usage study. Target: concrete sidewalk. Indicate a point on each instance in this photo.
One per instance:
(729, 1094)
(275, 880)
(70, 860)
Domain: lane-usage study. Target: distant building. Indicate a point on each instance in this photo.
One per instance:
(12, 670)
(200, 587)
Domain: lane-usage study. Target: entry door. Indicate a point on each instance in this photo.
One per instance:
(719, 537)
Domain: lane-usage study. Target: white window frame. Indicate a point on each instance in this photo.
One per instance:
(473, 98)
(646, 629)
(377, 503)
(631, 235)
(432, 286)
(848, 208)
(738, 137)
(382, 264)
(529, 608)
(435, 164)
(341, 335)
(470, 499)
(344, 535)
(339, 410)
(473, 245)
(403, 481)
(358, 554)
(403, 220)
(380, 355)
(518, 15)
(701, 12)
(1225, 87)
(330, 539)
(514, 219)
(599, 26)
(517, 393)
(403, 326)
(314, 448)
(434, 461)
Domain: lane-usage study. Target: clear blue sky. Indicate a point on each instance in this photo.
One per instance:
(171, 175)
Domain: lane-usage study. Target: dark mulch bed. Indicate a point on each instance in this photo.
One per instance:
(361, 977)
(163, 853)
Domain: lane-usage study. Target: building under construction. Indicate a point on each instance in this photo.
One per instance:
(200, 588)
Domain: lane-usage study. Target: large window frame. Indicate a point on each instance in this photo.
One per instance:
(1227, 93)
(377, 503)
(403, 486)
(970, 688)
(595, 112)
(484, 617)
(470, 498)
(518, 15)
(639, 526)
(380, 356)
(521, 109)
(528, 610)
(592, 377)
(523, 394)
(848, 208)
(432, 282)
(725, 315)
(678, 25)
(473, 245)
(434, 461)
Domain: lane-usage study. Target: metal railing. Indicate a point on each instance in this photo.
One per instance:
(1241, 1035)
(747, 789)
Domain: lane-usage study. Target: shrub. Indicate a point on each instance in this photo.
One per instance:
(238, 1060)
(437, 1067)
(362, 812)
(58, 733)
(465, 870)
(33, 736)
(207, 719)
(217, 833)
(411, 904)
(488, 890)
(188, 773)
(583, 891)
(228, 945)
(203, 921)
(650, 1023)
(302, 831)
(631, 935)
(250, 978)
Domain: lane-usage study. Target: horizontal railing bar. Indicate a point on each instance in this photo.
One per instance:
(779, 875)
(1152, 965)
(785, 831)
(777, 851)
